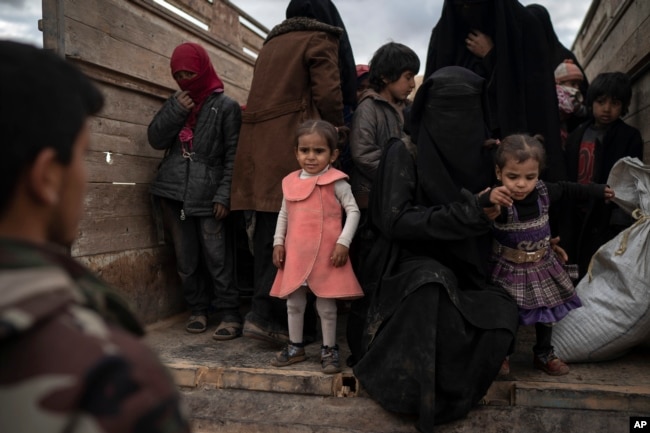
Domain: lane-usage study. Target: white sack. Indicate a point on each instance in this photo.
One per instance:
(615, 316)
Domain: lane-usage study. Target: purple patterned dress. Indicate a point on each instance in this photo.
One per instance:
(542, 289)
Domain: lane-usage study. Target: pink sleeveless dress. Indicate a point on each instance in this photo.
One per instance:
(314, 223)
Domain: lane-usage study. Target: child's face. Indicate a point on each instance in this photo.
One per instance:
(519, 177)
(184, 75)
(606, 110)
(314, 154)
(400, 89)
(363, 85)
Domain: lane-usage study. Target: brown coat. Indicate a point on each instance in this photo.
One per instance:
(296, 78)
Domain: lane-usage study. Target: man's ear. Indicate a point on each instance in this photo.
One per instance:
(45, 177)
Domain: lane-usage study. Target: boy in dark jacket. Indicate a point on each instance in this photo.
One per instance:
(199, 129)
(591, 151)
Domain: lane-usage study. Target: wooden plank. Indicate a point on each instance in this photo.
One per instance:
(114, 234)
(612, 35)
(126, 106)
(107, 200)
(52, 26)
(632, 53)
(640, 121)
(134, 48)
(147, 278)
(121, 137)
(641, 94)
(251, 40)
(120, 168)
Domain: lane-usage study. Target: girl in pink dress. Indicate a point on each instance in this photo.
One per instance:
(310, 245)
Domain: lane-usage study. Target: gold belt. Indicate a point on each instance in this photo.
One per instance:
(518, 256)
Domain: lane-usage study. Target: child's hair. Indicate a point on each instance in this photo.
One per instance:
(389, 62)
(333, 136)
(616, 85)
(521, 147)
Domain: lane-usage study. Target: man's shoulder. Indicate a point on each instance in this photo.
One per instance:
(77, 366)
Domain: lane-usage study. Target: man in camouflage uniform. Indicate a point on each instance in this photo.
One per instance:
(70, 356)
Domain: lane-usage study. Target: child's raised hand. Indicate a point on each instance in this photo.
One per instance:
(609, 194)
(278, 256)
(184, 99)
(501, 196)
(339, 256)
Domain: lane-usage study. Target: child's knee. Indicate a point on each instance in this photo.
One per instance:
(326, 308)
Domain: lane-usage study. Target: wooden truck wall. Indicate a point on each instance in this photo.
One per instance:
(125, 46)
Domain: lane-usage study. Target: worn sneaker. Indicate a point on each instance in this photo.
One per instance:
(289, 355)
(550, 364)
(329, 359)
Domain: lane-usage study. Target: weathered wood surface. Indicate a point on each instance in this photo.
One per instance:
(125, 46)
(615, 37)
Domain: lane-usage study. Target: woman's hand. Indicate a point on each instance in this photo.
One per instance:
(278, 256)
(339, 256)
(492, 212)
(609, 194)
(478, 43)
(558, 250)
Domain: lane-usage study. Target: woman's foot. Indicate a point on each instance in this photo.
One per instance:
(505, 367)
(329, 359)
(291, 354)
(550, 364)
(257, 332)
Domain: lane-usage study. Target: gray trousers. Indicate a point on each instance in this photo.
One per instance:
(204, 261)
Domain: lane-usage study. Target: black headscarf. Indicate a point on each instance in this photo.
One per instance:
(448, 128)
(325, 12)
(559, 52)
(521, 87)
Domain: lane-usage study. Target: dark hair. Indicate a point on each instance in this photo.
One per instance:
(521, 147)
(45, 101)
(616, 85)
(333, 136)
(389, 62)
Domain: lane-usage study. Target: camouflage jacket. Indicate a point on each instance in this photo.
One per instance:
(69, 359)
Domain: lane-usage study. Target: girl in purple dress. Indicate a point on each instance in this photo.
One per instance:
(522, 260)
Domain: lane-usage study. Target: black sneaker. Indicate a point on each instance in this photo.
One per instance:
(289, 355)
(329, 359)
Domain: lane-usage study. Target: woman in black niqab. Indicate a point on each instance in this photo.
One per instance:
(521, 84)
(325, 11)
(436, 332)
